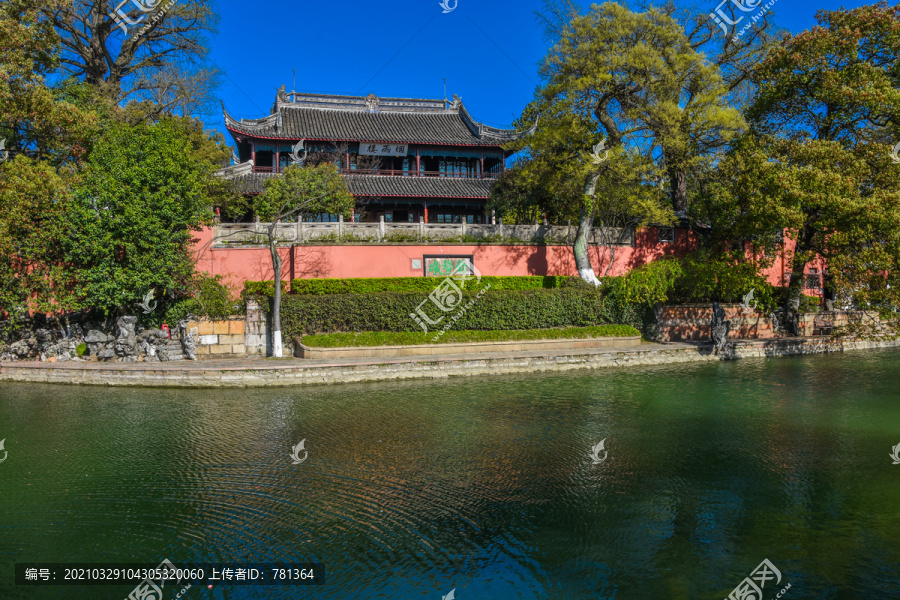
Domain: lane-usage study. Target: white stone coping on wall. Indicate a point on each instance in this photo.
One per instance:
(280, 373)
(304, 351)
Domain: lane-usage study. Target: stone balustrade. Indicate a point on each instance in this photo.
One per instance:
(303, 232)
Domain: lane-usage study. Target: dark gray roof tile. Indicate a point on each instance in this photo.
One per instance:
(384, 186)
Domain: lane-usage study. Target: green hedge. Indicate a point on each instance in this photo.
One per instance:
(262, 288)
(414, 284)
(494, 310)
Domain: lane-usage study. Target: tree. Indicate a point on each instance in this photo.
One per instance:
(45, 138)
(673, 78)
(826, 98)
(34, 120)
(638, 82)
(150, 51)
(32, 200)
(300, 191)
(131, 218)
(549, 178)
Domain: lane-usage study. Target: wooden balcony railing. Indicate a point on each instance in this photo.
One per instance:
(404, 173)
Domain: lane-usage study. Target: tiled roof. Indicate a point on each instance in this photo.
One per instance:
(384, 186)
(370, 119)
(429, 187)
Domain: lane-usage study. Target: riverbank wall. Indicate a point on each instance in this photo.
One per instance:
(290, 372)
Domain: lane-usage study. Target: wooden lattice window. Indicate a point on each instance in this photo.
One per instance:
(666, 235)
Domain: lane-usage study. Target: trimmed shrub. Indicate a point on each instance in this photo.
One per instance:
(410, 284)
(214, 298)
(647, 285)
(261, 288)
(493, 310)
(208, 297)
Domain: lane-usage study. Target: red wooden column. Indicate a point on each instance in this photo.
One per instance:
(426, 210)
(418, 164)
(253, 154)
(276, 166)
(348, 161)
(481, 173)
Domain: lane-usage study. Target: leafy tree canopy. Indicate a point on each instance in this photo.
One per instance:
(132, 217)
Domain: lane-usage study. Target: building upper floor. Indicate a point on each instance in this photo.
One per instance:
(398, 137)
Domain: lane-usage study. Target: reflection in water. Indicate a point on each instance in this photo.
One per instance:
(486, 486)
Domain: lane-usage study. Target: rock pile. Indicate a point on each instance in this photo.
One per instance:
(129, 343)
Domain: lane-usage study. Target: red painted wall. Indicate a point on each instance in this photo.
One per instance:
(368, 260)
(238, 265)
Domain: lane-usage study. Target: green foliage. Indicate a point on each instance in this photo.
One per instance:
(33, 197)
(185, 308)
(635, 78)
(808, 304)
(379, 338)
(647, 285)
(305, 191)
(215, 298)
(81, 349)
(494, 310)
(699, 278)
(826, 128)
(34, 120)
(132, 217)
(209, 296)
(261, 288)
(706, 277)
(399, 284)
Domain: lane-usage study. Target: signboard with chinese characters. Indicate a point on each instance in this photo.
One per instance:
(366, 149)
(445, 266)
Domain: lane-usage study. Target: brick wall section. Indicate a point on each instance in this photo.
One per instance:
(692, 322)
(237, 337)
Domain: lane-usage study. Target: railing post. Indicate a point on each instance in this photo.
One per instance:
(501, 227)
(381, 228)
(340, 227)
(298, 229)
(421, 228)
(464, 226)
(568, 229)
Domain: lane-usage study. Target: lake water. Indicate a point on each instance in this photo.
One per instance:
(482, 485)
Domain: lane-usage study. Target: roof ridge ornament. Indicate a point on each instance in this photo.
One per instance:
(372, 103)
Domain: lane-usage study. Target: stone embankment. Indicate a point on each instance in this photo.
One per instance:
(290, 372)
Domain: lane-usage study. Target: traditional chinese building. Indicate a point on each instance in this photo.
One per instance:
(403, 159)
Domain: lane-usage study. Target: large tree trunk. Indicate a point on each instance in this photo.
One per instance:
(798, 275)
(277, 351)
(678, 184)
(585, 227)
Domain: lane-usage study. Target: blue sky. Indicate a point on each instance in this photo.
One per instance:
(487, 50)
